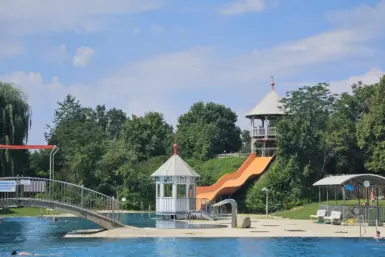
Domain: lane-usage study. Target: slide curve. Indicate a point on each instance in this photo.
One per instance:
(229, 183)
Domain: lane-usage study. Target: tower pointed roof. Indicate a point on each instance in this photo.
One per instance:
(269, 106)
(175, 166)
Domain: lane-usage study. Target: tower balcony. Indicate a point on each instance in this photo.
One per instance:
(263, 132)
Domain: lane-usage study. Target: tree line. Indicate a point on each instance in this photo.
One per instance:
(114, 153)
(110, 151)
(323, 134)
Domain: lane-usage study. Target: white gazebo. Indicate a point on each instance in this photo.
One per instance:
(175, 187)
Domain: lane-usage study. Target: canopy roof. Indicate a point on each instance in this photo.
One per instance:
(269, 106)
(175, 166)
(359, 178)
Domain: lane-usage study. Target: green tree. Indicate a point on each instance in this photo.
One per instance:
(208, 129)
(116, 119)
(246, 141)
(303, 149)
(80, 133)
(15, 122)
(148, 136)
(371, 130)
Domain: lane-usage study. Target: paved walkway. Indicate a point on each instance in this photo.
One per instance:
(259, 228)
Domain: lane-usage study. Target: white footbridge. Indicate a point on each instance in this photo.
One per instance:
(62, 196)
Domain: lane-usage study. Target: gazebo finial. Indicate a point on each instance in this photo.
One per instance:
(175, 146)
(272, 83)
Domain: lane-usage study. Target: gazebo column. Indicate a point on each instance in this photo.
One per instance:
(252, 135)
(187, 191)
(174, 196)
(161, 190)
(160, 204)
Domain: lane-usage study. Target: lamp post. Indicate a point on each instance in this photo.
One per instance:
(267, 201)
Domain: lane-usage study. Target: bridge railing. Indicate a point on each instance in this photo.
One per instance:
(61, 192)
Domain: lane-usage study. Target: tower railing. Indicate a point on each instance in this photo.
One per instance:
(262, 132)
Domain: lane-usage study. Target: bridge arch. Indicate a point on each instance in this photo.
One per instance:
(59, 195)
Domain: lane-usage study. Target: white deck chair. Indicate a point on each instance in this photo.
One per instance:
(334, 218)
(320, 215)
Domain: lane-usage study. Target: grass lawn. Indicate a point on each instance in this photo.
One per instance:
(304, 212)
(24, 211)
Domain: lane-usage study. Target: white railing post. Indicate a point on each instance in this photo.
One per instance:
(82, 198)
(112, 207)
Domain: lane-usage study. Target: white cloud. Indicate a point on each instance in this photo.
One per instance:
(19, 18)
(10, 48)
(41, 15)
(239, 7)
(137, 30)
(156, 28)
(83, 56)
(171, 82)
(57, 54)
(363, 16)
(371, 77)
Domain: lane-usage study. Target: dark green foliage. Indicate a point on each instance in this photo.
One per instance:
(323, 135)
(15, 122)
(105, 150)
(211, 170)
(208, 129)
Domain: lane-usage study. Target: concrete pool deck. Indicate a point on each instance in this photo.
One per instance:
(261, 228)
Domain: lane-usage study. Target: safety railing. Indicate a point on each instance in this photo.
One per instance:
(182, 205)
(370, 214)
(59, 192)
(263, 132)
(227, 155)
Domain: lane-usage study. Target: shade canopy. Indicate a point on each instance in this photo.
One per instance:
(269, 106)
(358, 178)
(175, 166)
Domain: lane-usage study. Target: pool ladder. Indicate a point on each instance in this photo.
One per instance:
(362, 218)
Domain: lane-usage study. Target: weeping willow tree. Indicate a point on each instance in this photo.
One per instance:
(15, 122)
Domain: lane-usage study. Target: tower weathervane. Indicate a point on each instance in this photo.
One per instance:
(272, 82)
(175, 146)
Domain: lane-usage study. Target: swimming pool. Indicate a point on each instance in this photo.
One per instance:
(40, 235)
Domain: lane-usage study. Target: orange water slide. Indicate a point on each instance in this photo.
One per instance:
(229, 183)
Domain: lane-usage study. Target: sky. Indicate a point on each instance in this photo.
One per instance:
(165, 55)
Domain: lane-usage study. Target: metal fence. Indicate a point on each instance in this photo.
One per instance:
(263, 132)
(227, 155)
(23, 189)
(182, 205)
(370, 214)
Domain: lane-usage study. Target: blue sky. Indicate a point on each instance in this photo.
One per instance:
(164, 55)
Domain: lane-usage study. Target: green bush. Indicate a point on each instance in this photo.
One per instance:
(211, 170)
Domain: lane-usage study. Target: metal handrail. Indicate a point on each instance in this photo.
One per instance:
(261, 132)
(57, 191)
(362, 218)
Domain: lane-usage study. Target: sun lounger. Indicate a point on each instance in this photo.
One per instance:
(334, 218)
(320, 215)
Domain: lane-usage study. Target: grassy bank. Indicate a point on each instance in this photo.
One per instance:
(304, 212)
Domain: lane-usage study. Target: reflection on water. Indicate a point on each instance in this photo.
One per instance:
(148, 220)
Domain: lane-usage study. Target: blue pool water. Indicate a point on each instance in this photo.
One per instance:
(40, 235)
